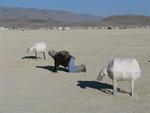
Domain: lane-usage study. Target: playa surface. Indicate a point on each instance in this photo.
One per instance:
(30, 86)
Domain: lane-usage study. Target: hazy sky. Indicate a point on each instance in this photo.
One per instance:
(95, 7)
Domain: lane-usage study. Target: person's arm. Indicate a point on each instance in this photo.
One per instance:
(56, 64)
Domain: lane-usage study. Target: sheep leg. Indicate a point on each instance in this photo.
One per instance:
(132, 87)
(114, 87)
(44, 55)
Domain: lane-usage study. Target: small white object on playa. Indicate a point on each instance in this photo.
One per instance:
(38, 48)
(121, 69)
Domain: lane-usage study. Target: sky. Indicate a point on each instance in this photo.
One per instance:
(95, 7)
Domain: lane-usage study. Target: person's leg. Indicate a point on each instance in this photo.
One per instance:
(72, 67)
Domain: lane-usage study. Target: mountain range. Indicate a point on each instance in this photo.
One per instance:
(30, 17)
(127, 20)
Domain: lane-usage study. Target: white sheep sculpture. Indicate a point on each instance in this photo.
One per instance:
(38, 48)
(121, 69)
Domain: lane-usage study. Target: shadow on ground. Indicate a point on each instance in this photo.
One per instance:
(30, 57)
(104, 87)
(51, 68)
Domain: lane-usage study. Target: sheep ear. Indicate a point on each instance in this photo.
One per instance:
(102, 74)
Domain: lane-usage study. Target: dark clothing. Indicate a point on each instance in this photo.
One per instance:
(61, 58)
(65, 59)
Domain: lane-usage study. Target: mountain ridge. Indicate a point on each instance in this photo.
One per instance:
(31, 17)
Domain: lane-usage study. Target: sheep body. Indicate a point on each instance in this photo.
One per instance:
(38, 48)
(124, 69)
(120, 69)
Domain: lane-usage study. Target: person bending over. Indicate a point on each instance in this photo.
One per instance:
(63, 58)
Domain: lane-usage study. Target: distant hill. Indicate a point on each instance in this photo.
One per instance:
(42, 17)
(30, 17)
(127, 20)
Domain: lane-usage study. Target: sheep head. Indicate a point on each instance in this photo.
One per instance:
(101, 74)
(29, 49)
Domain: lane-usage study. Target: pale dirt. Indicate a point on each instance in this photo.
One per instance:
(29, 86)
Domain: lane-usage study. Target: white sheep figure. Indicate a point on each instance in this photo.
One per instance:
(38, 48)
(121, 69)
